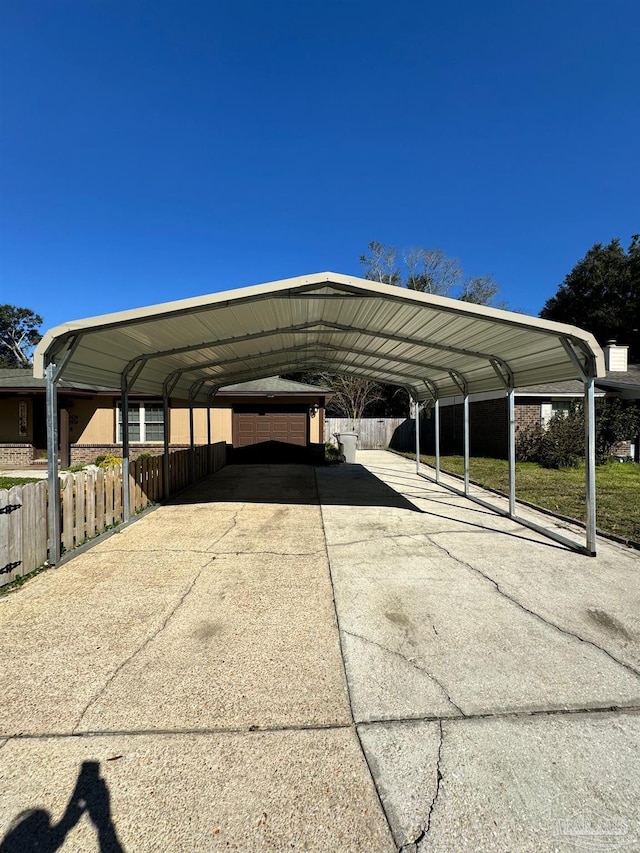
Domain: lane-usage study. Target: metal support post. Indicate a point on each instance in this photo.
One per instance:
(436, 427)
(165, 458)
(126, 494)
(465, 406)
(209, 421)
(192, 475)
(590, 462)
(52, 461)
(512, 451)
(417, 423)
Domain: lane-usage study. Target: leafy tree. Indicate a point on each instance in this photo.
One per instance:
(428, 271)
(602, 295)
(18, 335)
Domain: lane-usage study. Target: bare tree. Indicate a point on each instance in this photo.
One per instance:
(431, 271)
(380, 263)
(481, 290)
(353, 395)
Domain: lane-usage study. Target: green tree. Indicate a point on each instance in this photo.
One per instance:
(18, 335)
(602, 295)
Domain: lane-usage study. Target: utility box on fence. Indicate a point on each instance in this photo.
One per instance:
(347, 442)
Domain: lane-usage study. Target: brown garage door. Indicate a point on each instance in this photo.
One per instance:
(260, 425)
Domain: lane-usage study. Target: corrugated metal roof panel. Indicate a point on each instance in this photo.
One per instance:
(325, 322)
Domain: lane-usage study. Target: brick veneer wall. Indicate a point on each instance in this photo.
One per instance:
(528, 413)
(487, 429)
(84, 454)
(17, 454)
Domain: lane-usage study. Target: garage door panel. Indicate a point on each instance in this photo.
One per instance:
(256, 427)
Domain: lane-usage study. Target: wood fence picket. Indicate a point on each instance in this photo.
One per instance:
(373, 433)
(90, 502)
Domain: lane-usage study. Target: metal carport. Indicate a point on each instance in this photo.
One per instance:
(434, 346)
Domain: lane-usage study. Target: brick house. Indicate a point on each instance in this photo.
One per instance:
(535, 404)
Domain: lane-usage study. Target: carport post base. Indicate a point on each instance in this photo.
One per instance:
(543, 531)
(417, 422)
(590, 463)
(52, 462)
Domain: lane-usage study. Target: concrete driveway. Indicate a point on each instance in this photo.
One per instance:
(184, 684)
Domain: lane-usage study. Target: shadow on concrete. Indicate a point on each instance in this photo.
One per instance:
(343, 485)
(339, 485)
(277, 453)
(32, 831)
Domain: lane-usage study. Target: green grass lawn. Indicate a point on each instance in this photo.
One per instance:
(562, 491)
(8, 482)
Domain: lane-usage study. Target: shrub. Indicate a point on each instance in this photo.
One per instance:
(616, 420)
(107, 460)
(331, 453)
(561, 444)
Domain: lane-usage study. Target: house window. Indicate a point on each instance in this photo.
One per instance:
(146, 421)
(555, 407)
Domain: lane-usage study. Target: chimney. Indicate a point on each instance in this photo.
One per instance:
(615, 357)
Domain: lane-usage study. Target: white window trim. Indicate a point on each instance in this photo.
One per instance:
(141, 408)
(547, 409)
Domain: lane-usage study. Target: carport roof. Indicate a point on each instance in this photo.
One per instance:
(326, 321)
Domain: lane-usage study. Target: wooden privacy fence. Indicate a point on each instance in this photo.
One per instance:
(373, 433)
(91, 502)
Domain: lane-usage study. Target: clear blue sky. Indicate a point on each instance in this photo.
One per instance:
(158, 150)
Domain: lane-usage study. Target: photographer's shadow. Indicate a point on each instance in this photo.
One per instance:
(32, 831)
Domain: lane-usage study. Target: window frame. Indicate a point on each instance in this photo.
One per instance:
(142, 422)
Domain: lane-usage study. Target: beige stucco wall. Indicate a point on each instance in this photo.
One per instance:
(222, 425)
(221, 420)
(92, 420)
(314, 430)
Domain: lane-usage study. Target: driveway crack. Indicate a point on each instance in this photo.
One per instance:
(234, 522)
(438, 784)
(344, 666)
(143, 645)
(372, 539)
(533, 613)
(411, 663)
